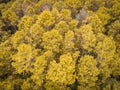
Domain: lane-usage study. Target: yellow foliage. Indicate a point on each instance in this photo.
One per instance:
(69, 41)
(46, 19)
(85, 37)
(74, 3)
(87, 71)
(38, 70)
(62, 72)
(52, 40)
(62, 27)
(23, 58)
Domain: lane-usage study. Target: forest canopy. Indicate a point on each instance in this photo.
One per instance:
(59, 44)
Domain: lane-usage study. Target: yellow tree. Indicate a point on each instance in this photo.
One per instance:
(93, 4)
(20, 37)
(59, 5)
(74, 3)
(38, 71)
(58, 17)
(51, 40)
(115, 65)
(46, 19)
(24, 58)
(73, 24)
(115, 10)
(68, 42)
(4, 35)
(55, 86)
(10, 19)
(111, 83)
(96, 23)
(62, 27)
(62, 72)
(5, 59)
(36, 33)
(25, 23)
(10, 16)
(66, 14)
(105, 50)
(87, 71)
(85, 37)
(114, 32)
(103, 15)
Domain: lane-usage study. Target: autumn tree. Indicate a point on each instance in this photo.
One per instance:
(85, 37)
(24, 58)
(46, 19)
(52, 41)
(62, 27)
(69, 41)
(5, 60)
(105, 50)
(87, 71)
(59, 44)
(65, 69)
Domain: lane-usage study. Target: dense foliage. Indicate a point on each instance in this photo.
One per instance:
(59, 44)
